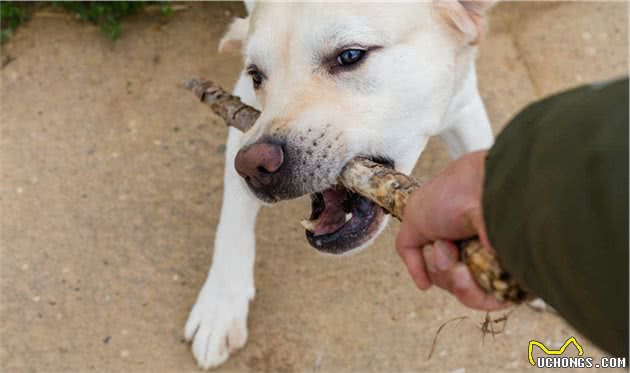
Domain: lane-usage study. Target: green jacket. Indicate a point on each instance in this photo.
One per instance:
(556, 207)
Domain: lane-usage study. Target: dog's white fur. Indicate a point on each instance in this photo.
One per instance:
(421, 83)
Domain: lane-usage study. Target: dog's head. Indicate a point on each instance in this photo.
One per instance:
(339, 80)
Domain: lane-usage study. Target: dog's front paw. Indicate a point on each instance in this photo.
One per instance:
(217, 325)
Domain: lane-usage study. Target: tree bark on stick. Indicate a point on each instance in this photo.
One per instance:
(233, 111)
(383, 185)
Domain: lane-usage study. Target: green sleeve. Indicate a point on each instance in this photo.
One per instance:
(556, 207)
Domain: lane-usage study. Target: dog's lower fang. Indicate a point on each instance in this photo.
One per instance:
(309, 225)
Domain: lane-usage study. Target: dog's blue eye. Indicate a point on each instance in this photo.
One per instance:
(350, 56)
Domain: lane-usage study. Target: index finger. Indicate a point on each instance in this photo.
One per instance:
(409, 243)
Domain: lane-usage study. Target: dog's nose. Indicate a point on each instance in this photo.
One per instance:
(258, 162)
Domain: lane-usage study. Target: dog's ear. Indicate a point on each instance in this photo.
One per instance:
(236, 34)
(468, 16)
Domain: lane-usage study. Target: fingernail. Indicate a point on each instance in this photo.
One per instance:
(429, 257)
(442, 259)
(461, 277)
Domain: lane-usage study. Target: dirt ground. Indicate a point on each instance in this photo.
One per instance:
(111, 190)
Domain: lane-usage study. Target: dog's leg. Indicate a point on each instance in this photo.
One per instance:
(217, 324)
(467, 127)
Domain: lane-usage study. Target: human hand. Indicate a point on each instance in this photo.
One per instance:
(446, 209)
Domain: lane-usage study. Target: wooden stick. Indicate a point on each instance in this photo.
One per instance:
(391, 189)
(383, 185)
(233, 111)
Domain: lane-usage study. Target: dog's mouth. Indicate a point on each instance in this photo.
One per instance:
(341, 220)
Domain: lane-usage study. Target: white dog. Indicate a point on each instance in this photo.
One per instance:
(332, 81)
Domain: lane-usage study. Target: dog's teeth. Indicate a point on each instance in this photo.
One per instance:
(348, 217)
(308, 225)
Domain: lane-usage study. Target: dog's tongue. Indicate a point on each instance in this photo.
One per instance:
(332, 217)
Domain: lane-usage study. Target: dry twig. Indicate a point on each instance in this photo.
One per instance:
(487, 326)
(234, 112)
(383, 185)
(437, 333)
